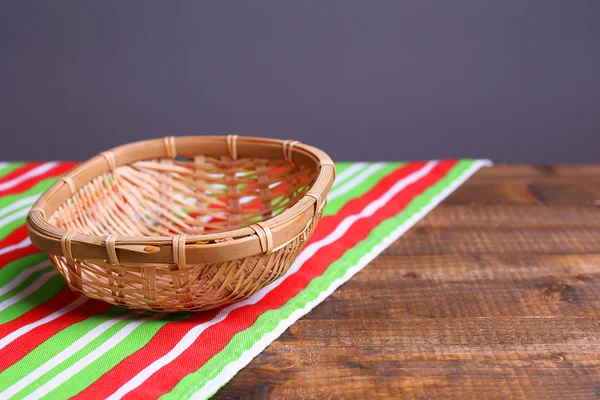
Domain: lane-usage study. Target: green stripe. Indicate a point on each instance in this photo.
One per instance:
(269, 320)
(342, 166)
(44, 293)
(37, 189)
(9, 168)
(11, 270)
(25, 284)
(135, 341)
(51, 347)
(140, 337)
(144, 333)
(10, 227)
(361, 188)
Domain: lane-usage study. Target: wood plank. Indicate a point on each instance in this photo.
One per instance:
(528, 193)
(509, 216)
(493, 193)
(422, 240)
(583, 194)
(454, 286)
(563, 185)
(494, 295)
(439, 358)
(504, 172)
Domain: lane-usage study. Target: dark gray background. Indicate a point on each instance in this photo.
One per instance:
(511, 80)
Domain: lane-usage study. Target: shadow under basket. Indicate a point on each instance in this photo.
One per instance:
(183, 224)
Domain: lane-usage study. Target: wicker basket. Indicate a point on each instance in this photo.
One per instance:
(182, 224)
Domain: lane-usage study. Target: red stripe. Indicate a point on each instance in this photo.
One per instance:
(214, 342)
(164, 340)
(354, 206)
(15, 237)
(14, 255)
(26, 343)
(60, 169)
(173, 332)
(20, 347)
(22, 170)
(20, 234)
(216, 337)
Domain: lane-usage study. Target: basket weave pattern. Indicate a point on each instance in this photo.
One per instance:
(183, 198)
(169, 198)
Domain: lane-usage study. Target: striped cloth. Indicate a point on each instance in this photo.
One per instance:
(56, 344)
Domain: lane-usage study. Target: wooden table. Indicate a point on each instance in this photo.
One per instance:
(495, 294)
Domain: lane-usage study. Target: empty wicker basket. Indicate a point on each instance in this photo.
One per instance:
(182, 224)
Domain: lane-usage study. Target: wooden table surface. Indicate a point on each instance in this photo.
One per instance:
(495, 294)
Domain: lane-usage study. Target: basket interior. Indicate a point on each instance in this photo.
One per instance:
(166, 197)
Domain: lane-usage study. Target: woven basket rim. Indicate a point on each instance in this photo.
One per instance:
(201, 248)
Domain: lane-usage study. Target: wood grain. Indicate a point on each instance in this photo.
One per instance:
(494, 295)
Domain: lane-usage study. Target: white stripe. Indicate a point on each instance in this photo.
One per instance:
(90, 358)
(3, 164)
(39, 170)
(5, 341)
(17, 280)
(308, 252)
(23, 243)
(30, 289)
(62, 356)
(27, 201)
(351, 184)
(231, 369)
(180, 347)
(13, 217)
(348, 172)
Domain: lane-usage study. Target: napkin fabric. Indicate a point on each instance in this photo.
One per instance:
(56, 344)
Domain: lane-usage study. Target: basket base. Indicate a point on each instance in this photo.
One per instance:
(173, 289)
